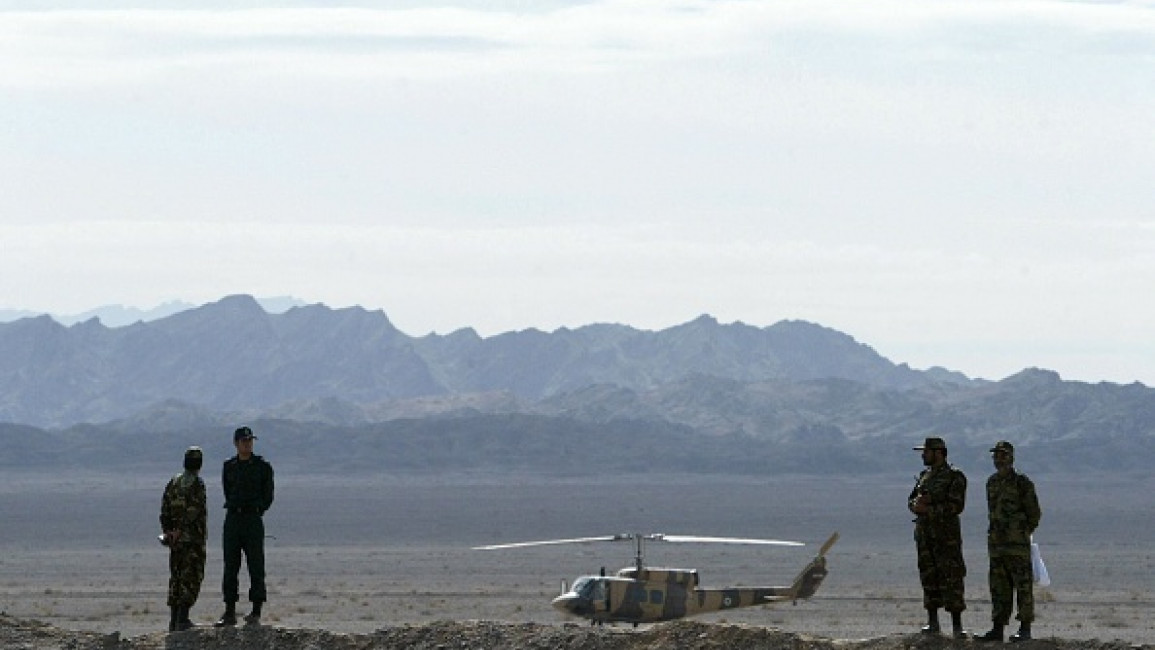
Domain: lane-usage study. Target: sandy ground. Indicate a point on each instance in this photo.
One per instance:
(359, 554)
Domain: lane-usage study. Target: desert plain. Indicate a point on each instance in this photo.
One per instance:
(358, 553)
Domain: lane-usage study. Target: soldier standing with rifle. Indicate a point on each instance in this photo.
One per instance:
(247, 480)
(937, 500)
(184, 531)
(1013, 511)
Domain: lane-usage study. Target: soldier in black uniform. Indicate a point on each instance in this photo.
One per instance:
(248, 485)
(938, 498)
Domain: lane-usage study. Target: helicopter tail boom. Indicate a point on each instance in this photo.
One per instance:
(811, 577)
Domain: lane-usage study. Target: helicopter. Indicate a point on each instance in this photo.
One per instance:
(641, 594)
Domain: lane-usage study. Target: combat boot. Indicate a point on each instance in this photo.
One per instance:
(932, 626)
(254, 617)
(995, 635)
(229, 618)
(1024, 633)
(183, 623)
(956, 624)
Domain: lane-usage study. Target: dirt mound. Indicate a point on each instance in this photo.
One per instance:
(483, 635)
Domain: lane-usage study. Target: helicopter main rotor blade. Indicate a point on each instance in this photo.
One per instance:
(550, 542)
(721, 540)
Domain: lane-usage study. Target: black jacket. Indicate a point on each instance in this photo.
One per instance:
(248, 484)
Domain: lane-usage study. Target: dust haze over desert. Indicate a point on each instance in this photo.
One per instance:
(355, 554)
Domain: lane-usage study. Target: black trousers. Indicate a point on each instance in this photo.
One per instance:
(244, 533)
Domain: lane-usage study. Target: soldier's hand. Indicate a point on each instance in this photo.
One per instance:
(921, 504)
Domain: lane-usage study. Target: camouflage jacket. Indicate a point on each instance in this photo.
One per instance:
(184, 508)
(946, 486)
(1013, 512)
(248, 484)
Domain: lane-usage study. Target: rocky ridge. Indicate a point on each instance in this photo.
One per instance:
(233, 355)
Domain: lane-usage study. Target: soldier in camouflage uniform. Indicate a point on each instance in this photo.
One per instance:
(183, 522)
(937, 500)
(1013, 510)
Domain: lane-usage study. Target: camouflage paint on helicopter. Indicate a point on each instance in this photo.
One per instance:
(642, 594)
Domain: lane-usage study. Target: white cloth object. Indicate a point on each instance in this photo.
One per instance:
(1042, 578)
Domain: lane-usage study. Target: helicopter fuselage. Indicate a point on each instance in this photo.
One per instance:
(649, 595)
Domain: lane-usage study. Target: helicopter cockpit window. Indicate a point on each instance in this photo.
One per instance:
(583, 587)
(656, 596)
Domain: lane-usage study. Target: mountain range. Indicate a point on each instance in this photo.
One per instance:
(701, 395)
(119, 315)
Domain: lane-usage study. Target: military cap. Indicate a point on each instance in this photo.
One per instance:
(243, 433)
(932, 443)
(1003, 445)
(194, 458)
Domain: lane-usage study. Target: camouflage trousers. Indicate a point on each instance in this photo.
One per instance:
(942, 572)
(186, 571)
(1011, 575)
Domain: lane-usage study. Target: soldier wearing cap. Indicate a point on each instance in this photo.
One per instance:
(1013, 512)
(247, 480)
(937, 500)
(183, 515)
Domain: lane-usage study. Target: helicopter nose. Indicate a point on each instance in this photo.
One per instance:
(564, 603)
(568, 603)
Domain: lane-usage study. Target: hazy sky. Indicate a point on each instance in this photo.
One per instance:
(963, 183)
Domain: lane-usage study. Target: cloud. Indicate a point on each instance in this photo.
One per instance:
(46, 48)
